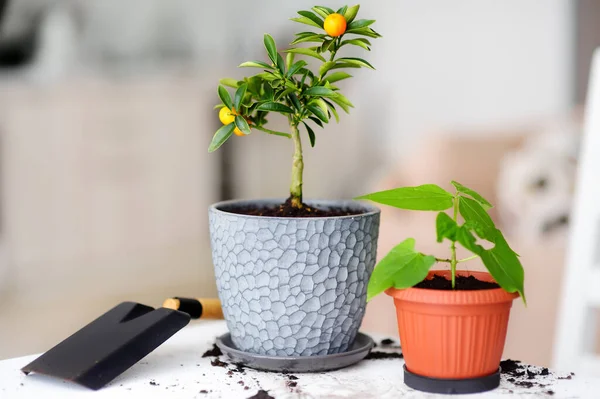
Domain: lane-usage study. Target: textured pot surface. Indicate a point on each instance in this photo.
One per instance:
(452, 334)
(293, 286)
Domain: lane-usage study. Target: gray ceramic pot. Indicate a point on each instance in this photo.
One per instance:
(293, 286)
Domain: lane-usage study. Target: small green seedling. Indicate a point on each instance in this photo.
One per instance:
(404, 267)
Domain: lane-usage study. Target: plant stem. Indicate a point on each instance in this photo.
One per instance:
(467, 259)
(297, 168)
(442, 260)
(453, 246)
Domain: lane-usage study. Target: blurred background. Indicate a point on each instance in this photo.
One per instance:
(106, 115)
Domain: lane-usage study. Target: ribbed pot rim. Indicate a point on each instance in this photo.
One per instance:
(440, 297)
(367, 209)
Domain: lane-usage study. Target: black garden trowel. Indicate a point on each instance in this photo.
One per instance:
(118, 339)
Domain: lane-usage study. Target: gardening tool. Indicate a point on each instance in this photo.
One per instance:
(115, 341)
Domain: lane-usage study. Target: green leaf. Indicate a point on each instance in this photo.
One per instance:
(505, 267)
(321, 11)
(271, 47)
(262, 129)
(402, 267)
(340, 65)
(351, 12)
(225, 97)
(313, 17)
(356, 61)
(275, 107)
(296, 66)
(268, 92)
(307, 21)
(319, 91)
(314, 38)
(333, 111)
(342, 10)
(230, 82)
(219, 106)
(295, 101)
(360, 23)
(336, 76)
(467, 240)
(326, 45)
(241, 124)
(280, 64)
(339, 98)
(445, 227)
(475, 195)
(305, 51)
(364, 32)
(316, 120)
(289, 60)
(318, 112)
(311, 134)
(327, 9)
(239, 96)
(477, 217)
(357, 42)
(221, 137)
(427, 197)
(255, 64)
(326, 67)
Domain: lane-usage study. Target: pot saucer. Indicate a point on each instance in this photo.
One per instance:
(298, 364)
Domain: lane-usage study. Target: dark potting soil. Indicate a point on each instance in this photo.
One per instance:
(525, 376)
(214, 351)
(218, 363)
(261, 394)
(387, 342)
(463, 283)
(377, 355)
(286, 210)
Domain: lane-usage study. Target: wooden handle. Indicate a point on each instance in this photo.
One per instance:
(197, 308)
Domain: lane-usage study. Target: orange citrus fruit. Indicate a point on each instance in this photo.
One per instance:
(335, 25)
(226, 117)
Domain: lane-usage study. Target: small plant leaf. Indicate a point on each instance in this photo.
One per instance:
(368, 32)
(337, 76)
(333, 111)
(356, 61)
(351, 12)
(239, 96)
(311, 134)
(306, 21)
(313, 17)
(314, 38)
(289, 60)
(319, 91)
(342, 10)
(360, 23)
(326, 67)
(445, 227)
(357, 42)
(242, 124)
(316, 121)
(325, 9)
(318, 112)
(255, 64)
(402, 267)
(473, 194)
(230, 82)
(225, 97)
(221, 137)
(276, 107)
(321, 11)
(477, 217)
(219, 106)
(295, 101)
(339, 98)
(505, 267)
(428, 197)
(296, 67)
(271, 48)
(306, 51)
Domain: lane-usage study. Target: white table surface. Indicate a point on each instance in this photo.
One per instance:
(178, 370)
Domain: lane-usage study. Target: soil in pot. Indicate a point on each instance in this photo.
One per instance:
(463, 283)
(287, 210)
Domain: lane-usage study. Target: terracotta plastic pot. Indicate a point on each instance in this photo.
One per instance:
(452, 334)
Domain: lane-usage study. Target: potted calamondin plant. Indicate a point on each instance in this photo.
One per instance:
(452, 323)
(292, 274)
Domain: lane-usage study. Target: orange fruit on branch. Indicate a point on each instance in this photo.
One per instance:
(335, 25)
(226, 116)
